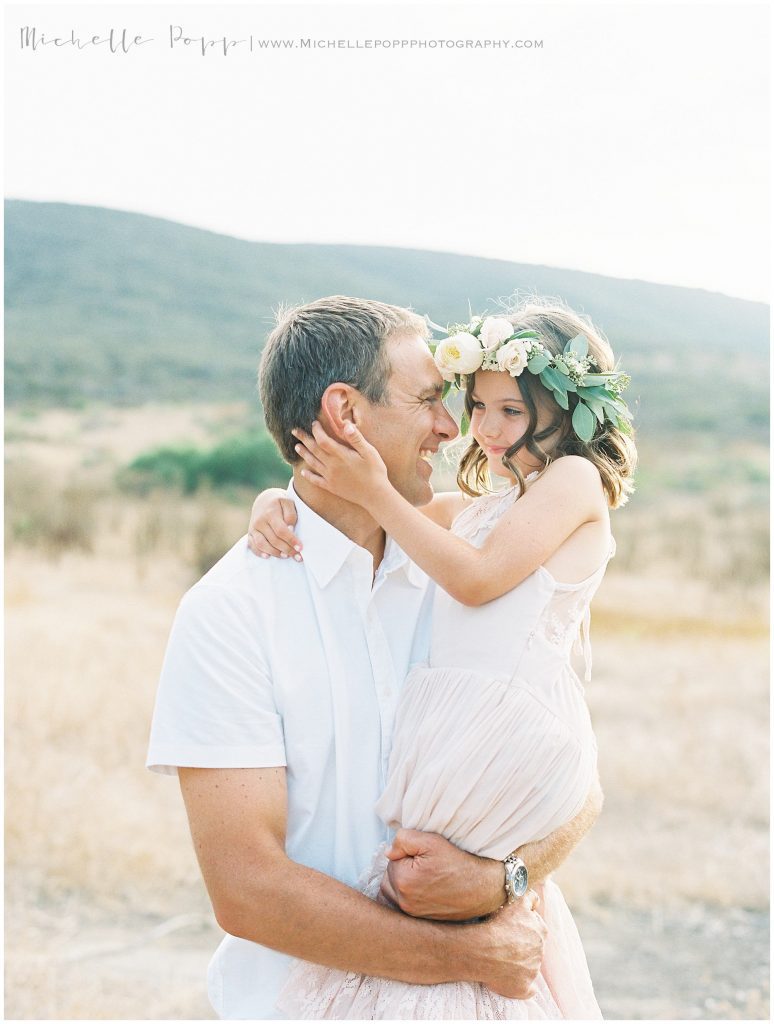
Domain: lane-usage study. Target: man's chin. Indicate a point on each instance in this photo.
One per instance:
(423, 493)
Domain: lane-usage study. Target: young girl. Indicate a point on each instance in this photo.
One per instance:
(493, 746)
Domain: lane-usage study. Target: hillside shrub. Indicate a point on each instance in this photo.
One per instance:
(247, 460)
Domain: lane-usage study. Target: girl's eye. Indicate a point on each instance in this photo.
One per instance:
(478, 405)
(512, 412)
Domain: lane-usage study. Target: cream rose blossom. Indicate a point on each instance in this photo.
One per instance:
(513, 357)
(461, 353)
(494, 331)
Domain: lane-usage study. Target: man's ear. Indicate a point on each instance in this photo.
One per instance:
(337, 408)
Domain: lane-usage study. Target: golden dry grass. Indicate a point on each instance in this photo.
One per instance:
(97, 849)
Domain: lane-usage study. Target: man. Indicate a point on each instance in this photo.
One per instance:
(278, 696)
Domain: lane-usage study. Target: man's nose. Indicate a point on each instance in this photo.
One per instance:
(446, 428)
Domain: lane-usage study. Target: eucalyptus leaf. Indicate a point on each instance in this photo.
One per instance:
(579, 346)
(583, 422)
(562, 399)
(553, 379)
(597, 408)
(538, 363)
(594, 392)
(464, 424)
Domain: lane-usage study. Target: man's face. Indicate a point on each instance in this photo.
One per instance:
(414, 422)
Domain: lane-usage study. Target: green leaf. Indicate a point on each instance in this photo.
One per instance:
(527, 334)
(583, 422)
(464, 424)
(446, 389)
(579, 346)
(538, 363)
(562, 399)
(553, 379)
(594, 392)
(432, 346)
(597, 408)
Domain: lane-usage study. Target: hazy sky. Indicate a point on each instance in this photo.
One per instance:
(633, 143)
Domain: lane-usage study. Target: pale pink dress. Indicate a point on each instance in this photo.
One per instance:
(493, 748)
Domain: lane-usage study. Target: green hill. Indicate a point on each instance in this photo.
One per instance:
(122, 308)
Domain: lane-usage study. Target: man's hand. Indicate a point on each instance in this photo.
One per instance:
(430, 877)
(511, 944)
(238, 820)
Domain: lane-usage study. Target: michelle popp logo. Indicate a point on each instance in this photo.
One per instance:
(122, 41)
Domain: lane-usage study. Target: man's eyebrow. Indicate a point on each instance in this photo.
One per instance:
(431, 390)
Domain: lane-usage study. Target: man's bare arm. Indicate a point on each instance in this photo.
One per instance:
(546, 855)
(238, 821)
(429, 877)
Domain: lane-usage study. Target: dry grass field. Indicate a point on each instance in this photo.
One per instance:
(106, 917)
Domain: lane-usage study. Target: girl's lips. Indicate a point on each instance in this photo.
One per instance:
(496, 451)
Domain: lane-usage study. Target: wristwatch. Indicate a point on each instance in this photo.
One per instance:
(516, 877)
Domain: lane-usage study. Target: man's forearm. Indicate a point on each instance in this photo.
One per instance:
(307, 914)
(545, 855)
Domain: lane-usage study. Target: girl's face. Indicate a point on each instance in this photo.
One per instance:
(500, 418)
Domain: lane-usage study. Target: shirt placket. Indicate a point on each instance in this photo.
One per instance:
(382, 665)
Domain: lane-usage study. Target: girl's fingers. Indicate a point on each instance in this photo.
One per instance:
(311, 460)
(306, 439)
(281, 546)
(291, 544)
(355, 438)
(313, 478)
(260, 546)
(323, 439)
(267, 544)
(289, 513)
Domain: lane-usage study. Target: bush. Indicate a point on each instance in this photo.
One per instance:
(246, 460)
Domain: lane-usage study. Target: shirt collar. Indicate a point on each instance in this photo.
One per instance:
(326, 549)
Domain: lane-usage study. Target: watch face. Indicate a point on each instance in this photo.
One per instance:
(520, 880)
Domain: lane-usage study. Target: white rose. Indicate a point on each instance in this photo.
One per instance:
(513, 357)
(494, 331)
(461, 353)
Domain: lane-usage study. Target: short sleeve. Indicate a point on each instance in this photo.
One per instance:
(215, 705)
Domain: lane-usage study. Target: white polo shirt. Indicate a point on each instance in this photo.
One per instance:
(275, 662)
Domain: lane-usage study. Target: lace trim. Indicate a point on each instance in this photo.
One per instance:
(484, 512)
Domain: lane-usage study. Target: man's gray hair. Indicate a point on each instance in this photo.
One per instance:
(333, 340)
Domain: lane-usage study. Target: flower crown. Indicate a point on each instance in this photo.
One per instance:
(492, 343)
